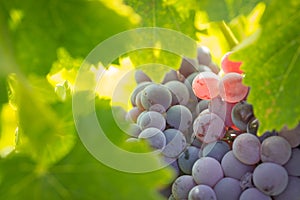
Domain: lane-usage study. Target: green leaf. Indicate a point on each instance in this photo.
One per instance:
(271, 65)
(38, 28)
(77, 176)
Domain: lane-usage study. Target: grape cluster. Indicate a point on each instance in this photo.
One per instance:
(200, 120)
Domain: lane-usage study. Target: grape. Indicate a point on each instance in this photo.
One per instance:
(246, 181)
(175, 143)
(254, 194)
(171, 197)
(157, 108)
(132, 114)
(275, 149)
(182, 186)
(216, 150)
(208, 127)
(152, 119)
(293, 165)
(179, 117)
(292, 191)
(241, 114)
(208, 171)
(173, 164)
(155, 137)
(156, 94)
(180, 93)
(138, 101)
(195, 142)
(228, 189)
(223, 109)
(191, 77)
(270, 178)
(292, 135)
(173, 75)
(140, 77)
(187, 66)
(252, 126)
(203, 68)
(214, 68)
(233, 168)
(135, 92)
(205, 85)
(246, 148)
(230, 66)
(231, 88)
(133, 130)
(202, 192)
(203, 55)
(202, 105)
(187, 159)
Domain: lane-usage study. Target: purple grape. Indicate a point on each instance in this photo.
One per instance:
(138, 88)
(291, 135)
(216, 150)
(208, 127)
(203, 55)
(155, 137)
(179, 117)
(270, 178)
(275, 149)
(228, 189)
(180, 93)
(207, 170)
(187, 159)
(140, 77)
(152, 119)
(175, 143)
(132, 114)
(157, 108)
(202, 192)
(156, 94)
(182, 186)
(241, 114)
(133, 130)
(187, 66)
(293, 165)
(292, 191)
(202, 105)
(173, 75)
(234, 168)
(246, 148)
(254, 194)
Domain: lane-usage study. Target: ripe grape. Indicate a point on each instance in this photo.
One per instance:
(234, 168)
(292, 191)
(135, 92)
(241, 114)
(270, 178)
(201, 105)
(140, 77)
(231, 88)
(187, 159)
(203, 55)
(230, 66)
(179, 117)
(205, 85)
(216, 150)
(152, 119)
(132, 114)
(202, 192)
(254, 194)
(175, 143)
(180, 93)
(182, 186)
(207, 170)
(155, 137)
(275, 149)
(223, 109)
(133, 130)
(173, 75)
(156, 94)
(293, 165)
(208, 127)
(246, 148)
(187, 66)
(228, 189)
(157, 108)
(291, 135)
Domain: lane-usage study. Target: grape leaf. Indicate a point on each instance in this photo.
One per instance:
(37, 29)
(77, 176)
(271, 67)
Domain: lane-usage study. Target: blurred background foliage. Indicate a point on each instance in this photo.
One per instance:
(42, 45)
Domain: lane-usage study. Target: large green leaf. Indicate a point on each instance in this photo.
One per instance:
(271, 65)
(38, 28)
(77, 176)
